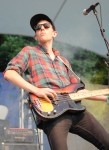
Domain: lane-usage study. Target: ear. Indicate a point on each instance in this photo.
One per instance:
(55, 34)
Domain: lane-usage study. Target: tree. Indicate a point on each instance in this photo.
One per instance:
(90, 65)
(10, 45)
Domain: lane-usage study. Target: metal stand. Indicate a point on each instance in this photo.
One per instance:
(104, 38)
(35, 120)
(29, 120)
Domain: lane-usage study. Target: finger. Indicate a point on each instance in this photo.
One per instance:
(54, 94)
(47, 99)
(52, 97)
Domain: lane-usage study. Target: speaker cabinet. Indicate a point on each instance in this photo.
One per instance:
(3, 125)
(19, 139)
(18, 146)
(19, 135)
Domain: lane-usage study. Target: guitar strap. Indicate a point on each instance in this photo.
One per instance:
(70, 69)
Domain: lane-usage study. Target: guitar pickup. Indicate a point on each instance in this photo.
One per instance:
(55, 102)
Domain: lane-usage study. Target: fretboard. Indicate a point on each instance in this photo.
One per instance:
(87, 94)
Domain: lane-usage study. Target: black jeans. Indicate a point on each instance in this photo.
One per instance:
(83, 124)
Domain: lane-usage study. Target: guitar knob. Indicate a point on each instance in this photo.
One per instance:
(49, 113)
(55, 111)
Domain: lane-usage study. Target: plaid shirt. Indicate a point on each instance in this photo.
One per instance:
(40, 70)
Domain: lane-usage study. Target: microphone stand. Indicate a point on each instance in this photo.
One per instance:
(105, 40)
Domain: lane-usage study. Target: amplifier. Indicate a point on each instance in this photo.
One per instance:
(3, 125)
(21, 135)
(18, 146)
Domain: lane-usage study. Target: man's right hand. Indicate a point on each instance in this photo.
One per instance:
(45, 93)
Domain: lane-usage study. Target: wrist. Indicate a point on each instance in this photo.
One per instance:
(107, 100)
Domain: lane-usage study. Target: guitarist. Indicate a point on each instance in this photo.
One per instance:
(46, 71)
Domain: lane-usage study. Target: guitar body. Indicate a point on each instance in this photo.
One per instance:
(59, 106)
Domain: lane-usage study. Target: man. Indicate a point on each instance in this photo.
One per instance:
(47, 71)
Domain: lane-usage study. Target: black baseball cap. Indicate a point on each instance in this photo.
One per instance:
(38, 17)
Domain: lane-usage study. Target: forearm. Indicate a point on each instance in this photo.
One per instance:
(19, 81)
(16, 79)
(95, 98)
(98, 98)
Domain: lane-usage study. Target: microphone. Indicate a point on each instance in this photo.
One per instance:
(92, 7)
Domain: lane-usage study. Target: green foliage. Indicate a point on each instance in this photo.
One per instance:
(100, 77)
(90, 65)
(10, 46)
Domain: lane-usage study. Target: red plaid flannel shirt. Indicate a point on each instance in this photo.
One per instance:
(39, 69)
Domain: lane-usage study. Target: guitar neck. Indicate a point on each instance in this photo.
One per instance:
(87, 94)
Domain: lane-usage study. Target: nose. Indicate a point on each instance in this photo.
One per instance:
(42, 27)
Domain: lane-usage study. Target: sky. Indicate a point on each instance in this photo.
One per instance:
(83, 30)
(73, 27)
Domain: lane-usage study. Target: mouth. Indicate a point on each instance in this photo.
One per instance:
(42, 34)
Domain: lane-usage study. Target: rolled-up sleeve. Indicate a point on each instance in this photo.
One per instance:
(20, 62)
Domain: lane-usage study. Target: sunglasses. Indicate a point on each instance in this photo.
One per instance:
(39, 26)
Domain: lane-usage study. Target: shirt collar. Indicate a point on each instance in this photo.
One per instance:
(40, 47)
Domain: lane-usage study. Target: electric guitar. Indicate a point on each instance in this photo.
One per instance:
(68, 98)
